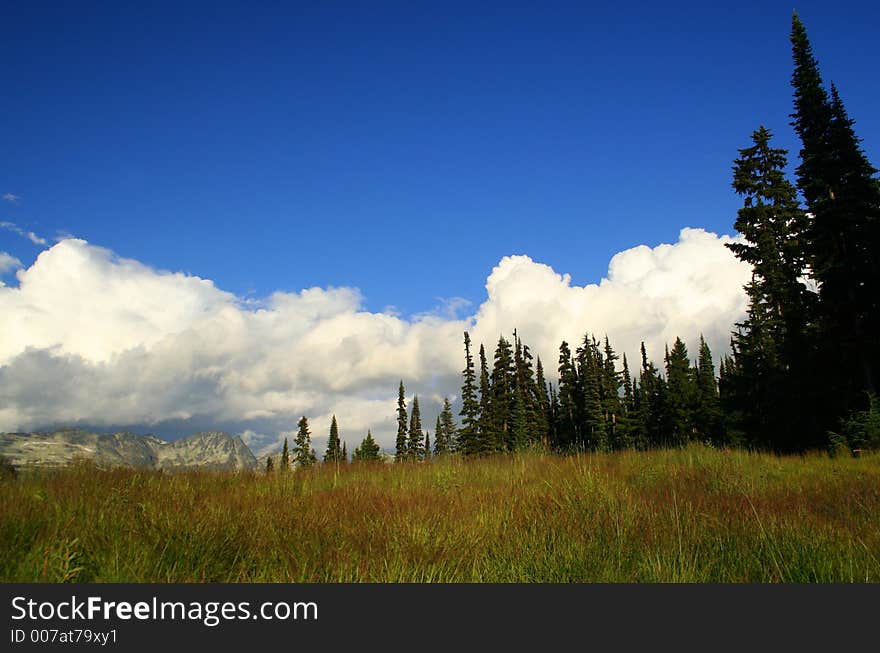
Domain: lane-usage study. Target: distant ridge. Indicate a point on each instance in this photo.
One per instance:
(210, 450)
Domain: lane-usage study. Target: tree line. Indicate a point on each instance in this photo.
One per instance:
(803, 366)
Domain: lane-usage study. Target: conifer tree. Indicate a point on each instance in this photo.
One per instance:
(611, 407)
(503, 399)
(344, 453)
(333, 454)
(367, 451)
(415, 445)
(486, 431)
(445, 434)
(707, 412)
(303, 454)
(842, 195)
(402, 442)
(626, 403)
(568, 393)
(270, 465)
(681, 392)
(545, 425)
(426, 447)
(773, 346)
(285, 457)
(467, 440)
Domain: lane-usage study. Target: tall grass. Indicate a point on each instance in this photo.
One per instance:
(685, 515)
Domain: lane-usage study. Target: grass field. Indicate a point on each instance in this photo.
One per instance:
(689, 515)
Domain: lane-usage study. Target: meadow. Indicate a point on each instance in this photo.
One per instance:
(679, 515)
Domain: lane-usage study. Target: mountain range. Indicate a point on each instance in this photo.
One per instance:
(211, 450)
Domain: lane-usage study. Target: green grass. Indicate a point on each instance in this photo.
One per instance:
(689, 515)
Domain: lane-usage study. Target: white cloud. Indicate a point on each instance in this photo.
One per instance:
(7, 263)
(30, 235)
(10, 197)
(91, 337)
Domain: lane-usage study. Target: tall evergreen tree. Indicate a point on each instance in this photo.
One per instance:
(568, 393)
(486, 429)
(681, 393)
(707, 412)
(303, 454)
(773, 346)
(843, 197)
(333, 454)
(467, 441)
(344, 453)
(426, 446)
(503, 399)
(612, 408)
(445, 434)
(270, 465)
(367, 451)
(545, 426)
(402, 432)
(285, 457)
(415, 446)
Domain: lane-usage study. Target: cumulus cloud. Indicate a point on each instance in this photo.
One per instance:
(10, 197)
(89, 337)
(30, 235)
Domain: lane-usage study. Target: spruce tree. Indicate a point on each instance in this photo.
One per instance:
(303, 454)
(545, 425)
(773, 346)
(503, 404)
(681, 393)
(285, 457)
(467, 440)
(568, 392)
(415, 444)
(426, 446)
(402, 443)
(707, 412)
(367, 451)
(445, 433)
(333, 454)
(486, 429)
(843, 197)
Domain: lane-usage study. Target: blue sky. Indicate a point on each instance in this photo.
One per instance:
(402, 148)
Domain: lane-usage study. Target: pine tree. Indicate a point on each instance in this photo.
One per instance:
(545, 425)
(589, 370)
(333, 454)
(467, 440)
(303, 454)
(707, 412)
(447, 423)
(503, 408)
(402, 444)
(285, 457)
(270, 465)
(611, 407)
(681, 392)
(445, 433)
(626, 425)
(568, 394)
(773, 346)
(426, 447)
(843, 197)
(367, 451)
(486, 429)
(415, 445)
